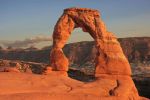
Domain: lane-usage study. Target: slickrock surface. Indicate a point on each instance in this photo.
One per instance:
(19, 86)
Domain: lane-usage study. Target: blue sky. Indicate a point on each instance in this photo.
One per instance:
(22, 19)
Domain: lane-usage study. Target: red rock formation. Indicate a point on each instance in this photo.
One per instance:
(110, 62)
(110, 58)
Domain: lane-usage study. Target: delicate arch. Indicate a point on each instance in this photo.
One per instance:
(110, 58)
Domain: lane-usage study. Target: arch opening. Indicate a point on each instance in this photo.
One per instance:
(78, 35)
(79, 48)
(78, 52)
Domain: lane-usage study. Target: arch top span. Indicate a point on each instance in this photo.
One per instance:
(109, 59)
(74, 9)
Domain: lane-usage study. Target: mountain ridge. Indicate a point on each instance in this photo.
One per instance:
(135, 49)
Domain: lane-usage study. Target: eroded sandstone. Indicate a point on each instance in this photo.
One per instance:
(109, 58)
(110, 63)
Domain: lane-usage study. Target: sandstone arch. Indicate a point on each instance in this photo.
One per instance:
(110, 58)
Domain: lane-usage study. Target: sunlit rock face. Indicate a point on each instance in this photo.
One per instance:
(110, 62)
(109, 58)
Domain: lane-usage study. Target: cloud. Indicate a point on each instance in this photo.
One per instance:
(26, 42)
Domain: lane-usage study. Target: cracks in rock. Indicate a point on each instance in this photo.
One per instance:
(111, 92)
(70, 88)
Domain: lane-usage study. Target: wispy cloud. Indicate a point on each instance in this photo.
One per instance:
(26, 42)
